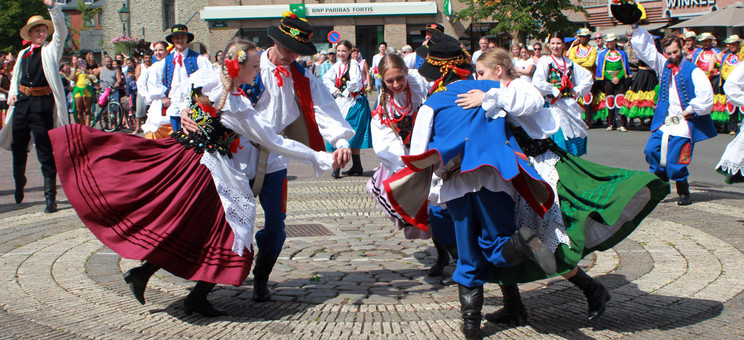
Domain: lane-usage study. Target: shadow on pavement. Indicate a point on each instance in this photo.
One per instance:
(563, 312)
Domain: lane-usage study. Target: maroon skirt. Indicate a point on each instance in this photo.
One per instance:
(149, 200)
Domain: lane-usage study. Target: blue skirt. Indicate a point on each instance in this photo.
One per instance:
(360, 118)
(575, 146)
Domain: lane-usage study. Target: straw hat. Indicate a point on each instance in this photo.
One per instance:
(706, 36)
(689, 34)
(732, 39)
(610, 37)
(34, 21)
(584, 32)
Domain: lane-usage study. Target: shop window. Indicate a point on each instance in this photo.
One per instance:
(257, 36)
(169, 14)
(413, 35)
(320, 37)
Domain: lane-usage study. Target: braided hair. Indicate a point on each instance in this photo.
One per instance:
(390, 61)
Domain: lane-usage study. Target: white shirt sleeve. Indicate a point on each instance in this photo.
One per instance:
(422, 130)
(410, 61)
(329, 78)
(540, 79)
(331, 123)
(734, 86)
(155, 86)
(388, 146)
(60, 31)
(702, 104)
(645, 48)
(522, 104)
(583, 80)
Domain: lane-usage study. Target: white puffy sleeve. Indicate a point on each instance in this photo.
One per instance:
(331, 123)
(329, 78)
(734, 86)
(155, 87)
(702, 104)
(645, 48)
(388, 146)
(523, 105)
(422, 130)
(583, 80)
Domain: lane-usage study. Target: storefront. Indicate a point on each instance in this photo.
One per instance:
(364, 24)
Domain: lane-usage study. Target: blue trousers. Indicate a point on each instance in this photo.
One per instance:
(442, 226)
(674, 170)
(484, 222)
(271, 238)
(176, 123)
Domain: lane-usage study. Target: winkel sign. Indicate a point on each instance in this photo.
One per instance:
(689, 3)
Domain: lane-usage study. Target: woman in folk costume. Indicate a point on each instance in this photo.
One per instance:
(731, 164)
(574, 226)
(37, 101)
(612, 72)
(562, 82)
(345, 82)
(726, 61)
(183, 204)
(482, 171)
(640, 99)
(402, 93)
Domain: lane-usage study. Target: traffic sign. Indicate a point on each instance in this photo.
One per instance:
(334, 37)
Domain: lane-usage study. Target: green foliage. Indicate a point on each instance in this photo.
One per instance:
(533, 18)
(87, 13)
(13, 16)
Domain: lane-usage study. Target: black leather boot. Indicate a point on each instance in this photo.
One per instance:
(524, 244)
(452, 250)
(513, 312)
(336, 173)
(197, 301)
(19, 174)
(471, 303)
(356, 166)
(683, 190)
(596, 294)
(261, 271)
(50, 194)
(442, 260)
(137, 278)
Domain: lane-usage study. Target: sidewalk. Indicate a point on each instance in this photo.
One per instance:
(346, 272)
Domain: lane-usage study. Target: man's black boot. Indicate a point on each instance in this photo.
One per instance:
(596, 294)
(452, 250)
(197, 301)
(513, 312)
(524, 244)
(683, 190)
(471, 303)
(50, 194)
(443, 259)
(356, 166)
(19, 174)
(261, 272)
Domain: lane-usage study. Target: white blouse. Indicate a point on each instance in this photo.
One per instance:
(522, 105)
(355, 83)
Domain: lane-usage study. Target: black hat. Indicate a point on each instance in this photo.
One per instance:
(444, 54)
(626, 11)
(436, 38)
(433, 27)
(293, 33)
(179, 29)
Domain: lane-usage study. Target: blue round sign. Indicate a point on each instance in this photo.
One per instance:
(334, 37)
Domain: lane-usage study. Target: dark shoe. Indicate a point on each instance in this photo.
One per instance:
(336, 173)
(443, 259)
(19, 174)
(354, 172)
(202, 306)
(471, 303)
(524, 244)
(50, 194)
(596, 294)
(513, 312)
(684, 200)
(137, 278)
(447, 281)
(261, 271)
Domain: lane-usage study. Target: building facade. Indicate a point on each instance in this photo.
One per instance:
(85, 35)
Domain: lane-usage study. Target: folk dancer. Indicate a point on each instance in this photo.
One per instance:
(296, 102)
(731, 164)
(682, 116)
(726, 62)
(613, 72)
(37, 102)
(170, 74)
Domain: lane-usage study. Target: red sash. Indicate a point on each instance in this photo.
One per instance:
(302, 90)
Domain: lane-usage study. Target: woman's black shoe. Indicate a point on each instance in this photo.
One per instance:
(336, 173)
(201, 306)
(354, 172)
(137, 280)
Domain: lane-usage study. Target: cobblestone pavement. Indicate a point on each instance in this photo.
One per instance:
(679, 275)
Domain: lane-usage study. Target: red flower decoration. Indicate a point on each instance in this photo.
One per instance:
(208, 109)
(233, 67)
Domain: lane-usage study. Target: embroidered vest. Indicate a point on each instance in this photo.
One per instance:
(212, 136)
(701, 127)
(189, 63)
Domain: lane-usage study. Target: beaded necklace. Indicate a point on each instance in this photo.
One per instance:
(400, 112)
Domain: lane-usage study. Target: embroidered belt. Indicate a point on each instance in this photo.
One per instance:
(614, 74)
(35, 91)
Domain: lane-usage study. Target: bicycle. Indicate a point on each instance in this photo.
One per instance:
(109, 118)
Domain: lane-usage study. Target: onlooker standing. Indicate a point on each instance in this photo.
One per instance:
(537, 48)
(374, 72)
(525, 66)
(219, 59)
(483, 43)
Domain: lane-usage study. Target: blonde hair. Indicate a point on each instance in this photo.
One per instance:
(390, 61)
(498, 57)
(233, 51)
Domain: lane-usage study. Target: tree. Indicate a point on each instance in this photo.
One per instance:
(533, 18)
(13, 16)
(88, 13)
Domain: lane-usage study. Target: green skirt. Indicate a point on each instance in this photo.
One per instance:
(600, 205)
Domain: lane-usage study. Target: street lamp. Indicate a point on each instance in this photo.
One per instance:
(124, 17)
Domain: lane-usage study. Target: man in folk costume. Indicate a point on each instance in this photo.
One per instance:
(689, 49)
(37, 101)
(585, 55)
(169, 74)
(415, 60)
(682, 116)
(704, 55)
(482, 170)
(613, 71)
(297, 103)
